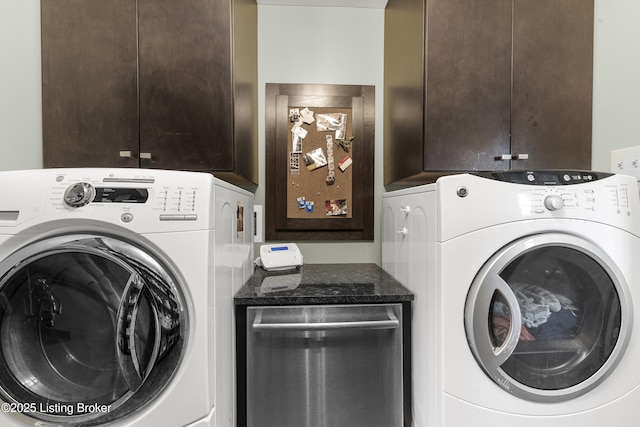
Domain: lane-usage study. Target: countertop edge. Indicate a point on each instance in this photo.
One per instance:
(325, 284)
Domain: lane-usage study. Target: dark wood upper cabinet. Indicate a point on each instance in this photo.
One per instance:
(552, 83)
(89, 83)
(491, 85)
(151, 83)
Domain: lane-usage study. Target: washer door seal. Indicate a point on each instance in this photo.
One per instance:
(87, 322)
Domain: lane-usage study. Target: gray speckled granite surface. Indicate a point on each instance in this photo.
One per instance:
(322, 284)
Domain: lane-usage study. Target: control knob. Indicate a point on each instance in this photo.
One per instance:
(554, 202)
(79, 194)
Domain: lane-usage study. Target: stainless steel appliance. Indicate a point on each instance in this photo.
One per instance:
(325, 366)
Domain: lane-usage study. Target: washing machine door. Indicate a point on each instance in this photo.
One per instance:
(548, 317)
(92, 328)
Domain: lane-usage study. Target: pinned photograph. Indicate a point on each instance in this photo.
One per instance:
(298, 133)
(306, 116)
(302, 203)
(330, 121)
(345, 163)
(314, 159)
(309, 206)
(336, 207)
(294, 163)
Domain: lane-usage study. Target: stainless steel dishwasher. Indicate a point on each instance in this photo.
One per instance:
(325, 366)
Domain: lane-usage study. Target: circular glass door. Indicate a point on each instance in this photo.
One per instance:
(548, 317)
(86, 323)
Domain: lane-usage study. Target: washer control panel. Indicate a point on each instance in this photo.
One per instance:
(133, 197)
(143, 200)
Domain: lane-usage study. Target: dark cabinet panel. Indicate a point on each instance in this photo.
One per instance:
(403, 89)
(552, 83)
(89, 88)
(186, 93)
(191, 85)
(467, 86)
(494, 85)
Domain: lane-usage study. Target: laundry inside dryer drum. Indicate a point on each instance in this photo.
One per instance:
(571, 317)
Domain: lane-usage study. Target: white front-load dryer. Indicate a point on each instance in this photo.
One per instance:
(525, 284)
(116, 291)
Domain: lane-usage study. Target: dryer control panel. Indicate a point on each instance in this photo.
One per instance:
(550, 199)
(551, 191)
(477, 200)
(545, 177)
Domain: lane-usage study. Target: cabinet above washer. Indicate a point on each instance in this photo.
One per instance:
(151, 84)
(496, 85)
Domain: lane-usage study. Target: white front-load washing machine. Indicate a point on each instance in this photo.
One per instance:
(116, 290)
(524, 283)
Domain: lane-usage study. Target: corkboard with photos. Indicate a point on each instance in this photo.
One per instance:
(319, 162)
(320, 172)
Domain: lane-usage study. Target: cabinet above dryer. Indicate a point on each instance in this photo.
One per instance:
(493, 85)
(153, 84)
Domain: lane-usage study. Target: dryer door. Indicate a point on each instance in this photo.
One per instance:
(92, 328)
(548, 317)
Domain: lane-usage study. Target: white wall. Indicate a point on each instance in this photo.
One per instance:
(616, 109)
(20, 94)
(328, 45)
(324, 45)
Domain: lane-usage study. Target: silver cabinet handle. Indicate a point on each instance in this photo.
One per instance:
(126, 154)
(405, 210)
(146, 156)
(391, 323)
(403, 231)
(521, 156)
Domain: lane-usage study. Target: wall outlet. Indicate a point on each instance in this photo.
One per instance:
(626, 161)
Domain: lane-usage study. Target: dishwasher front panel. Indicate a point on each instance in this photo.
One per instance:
(325, 366)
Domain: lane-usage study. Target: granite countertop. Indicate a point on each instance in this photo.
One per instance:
(322, 284)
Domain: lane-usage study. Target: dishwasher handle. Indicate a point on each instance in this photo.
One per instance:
(391, 322)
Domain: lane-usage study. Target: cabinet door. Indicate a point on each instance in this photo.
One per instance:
(185, 84)
(468, 84)
(552, 83)
(89, 89)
